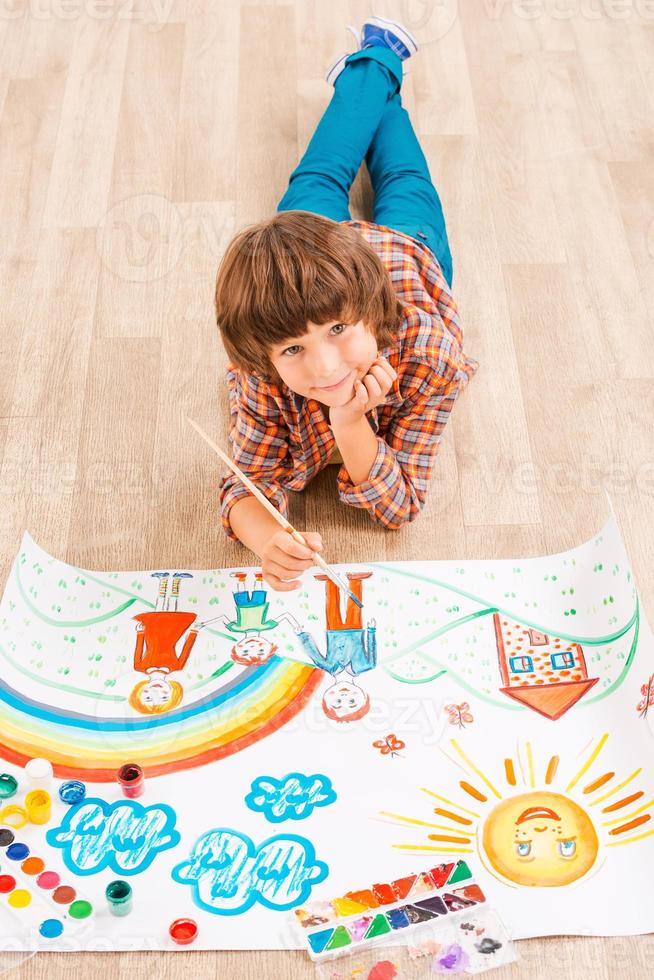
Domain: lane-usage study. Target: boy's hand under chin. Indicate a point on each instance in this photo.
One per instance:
(368, 393)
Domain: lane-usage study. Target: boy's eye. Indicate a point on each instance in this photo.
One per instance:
(290, 351)
(337, 328)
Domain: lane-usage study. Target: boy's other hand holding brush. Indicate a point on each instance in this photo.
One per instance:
(283, 559)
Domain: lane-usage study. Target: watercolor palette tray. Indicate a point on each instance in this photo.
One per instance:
(26, 883)
(467, 943)
(374, 914)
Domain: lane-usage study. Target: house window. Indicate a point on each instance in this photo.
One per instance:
(561, 660)
(521, 665)
(537, 639)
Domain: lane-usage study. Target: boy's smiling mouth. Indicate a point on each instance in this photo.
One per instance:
(334, 386)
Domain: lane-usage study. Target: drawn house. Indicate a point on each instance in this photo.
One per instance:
(545, 673)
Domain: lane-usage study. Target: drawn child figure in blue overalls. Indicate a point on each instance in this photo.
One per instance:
(253, 649)
(351, 650)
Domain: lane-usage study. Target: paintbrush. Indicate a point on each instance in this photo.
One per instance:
(263, 500)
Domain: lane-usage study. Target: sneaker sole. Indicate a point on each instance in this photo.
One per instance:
(335, 69)
(407, 39)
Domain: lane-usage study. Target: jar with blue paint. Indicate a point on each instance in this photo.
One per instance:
(72, 792)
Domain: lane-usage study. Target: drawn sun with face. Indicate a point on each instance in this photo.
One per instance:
(535, 836)
(540, 838)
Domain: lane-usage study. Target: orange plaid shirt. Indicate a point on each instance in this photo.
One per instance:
(282, 439)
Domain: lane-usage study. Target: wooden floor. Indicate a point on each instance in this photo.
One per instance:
(134, 145)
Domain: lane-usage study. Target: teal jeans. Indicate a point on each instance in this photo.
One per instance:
(365, 119)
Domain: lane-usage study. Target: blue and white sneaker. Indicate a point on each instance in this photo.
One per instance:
(377, 32)
(383, 33)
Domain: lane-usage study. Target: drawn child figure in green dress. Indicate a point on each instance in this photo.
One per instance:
(252, 620)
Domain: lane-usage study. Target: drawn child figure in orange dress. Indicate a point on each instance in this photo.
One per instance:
(155, 654)
(351, 650)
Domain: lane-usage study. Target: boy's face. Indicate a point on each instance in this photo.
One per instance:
(344, 698)
(324, 363)
(157, 690)
(252, 650)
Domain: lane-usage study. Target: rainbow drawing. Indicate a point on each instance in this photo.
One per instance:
(244, 709)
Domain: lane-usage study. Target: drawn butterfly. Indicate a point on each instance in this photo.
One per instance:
(389, 745)
(459, 714)
(647, 690)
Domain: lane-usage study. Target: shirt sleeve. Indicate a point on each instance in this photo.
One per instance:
(397, 484)
(310, 648)
(259, 441)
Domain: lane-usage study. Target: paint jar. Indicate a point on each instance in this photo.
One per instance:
(131, 780)
(183, 931)
(39, 773)
(72, 791)
(38, 804)
(8, 786)
(14, 816)
(119, 896)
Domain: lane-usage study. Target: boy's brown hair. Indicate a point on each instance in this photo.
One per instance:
(296, 267)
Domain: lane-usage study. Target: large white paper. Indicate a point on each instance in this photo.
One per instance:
(499, 750)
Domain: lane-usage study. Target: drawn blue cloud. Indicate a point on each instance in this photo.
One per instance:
(123, 836)
(293, 797)
(228, 873)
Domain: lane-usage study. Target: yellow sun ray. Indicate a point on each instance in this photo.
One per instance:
(444, 799)
(616, 789)
(474, 768)
(509, 771)
(520, 765)
(586, 766)
(530, 763)
(427, 847)
(628, 816)
(598, 783)
(629, 840)
(418, 823)
(552, 766)
(411, 820)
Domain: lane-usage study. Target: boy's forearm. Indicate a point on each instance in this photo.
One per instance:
(251, 523)
(358, 447)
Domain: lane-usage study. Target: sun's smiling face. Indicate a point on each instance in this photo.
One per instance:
(540, 838)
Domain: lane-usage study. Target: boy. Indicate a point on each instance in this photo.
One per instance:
(343, 337)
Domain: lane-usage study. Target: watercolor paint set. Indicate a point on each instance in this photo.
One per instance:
(28, 886)
(459, 944)
(374, 914)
